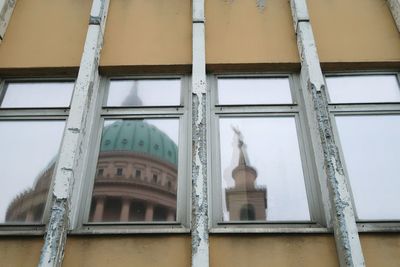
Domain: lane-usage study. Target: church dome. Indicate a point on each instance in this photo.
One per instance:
(140, 137)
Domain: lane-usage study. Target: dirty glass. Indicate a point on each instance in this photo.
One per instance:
(253, 91)
(27, 159)
(37, 94)
(261, 170)
(371, 149)
(154, 92)
(363, 89)
(137, 171)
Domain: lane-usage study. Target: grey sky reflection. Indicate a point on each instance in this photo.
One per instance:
(273, 150)
(38, 94)
(371, 151)
(166, 90)
(258, 91)
(27, 148)
(363, 89)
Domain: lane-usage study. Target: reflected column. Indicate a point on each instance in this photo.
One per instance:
(126, 205)
(149, 212)
(98, 212)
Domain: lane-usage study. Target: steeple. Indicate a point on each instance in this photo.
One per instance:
(132, 99)
(243, 174)
(245, 201)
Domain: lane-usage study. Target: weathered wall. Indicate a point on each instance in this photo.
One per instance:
(381, 249)
(20, 251)
(148, 32)
(249, 31)
(144, 251)
(273, 250)
(354, 31)
(45, 33)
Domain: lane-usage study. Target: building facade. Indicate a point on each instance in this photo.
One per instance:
(199, 133)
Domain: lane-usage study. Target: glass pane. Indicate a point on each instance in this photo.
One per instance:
(262, 175)
(363, 89)
(160, 92)
(27, 158)
(137, 171)
(371, 150)
(37, 94)
(236, 91)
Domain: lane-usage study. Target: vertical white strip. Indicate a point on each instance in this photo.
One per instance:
(200, 253)
(395, 9)
(75, 139)
(343, 220)
(6, 10)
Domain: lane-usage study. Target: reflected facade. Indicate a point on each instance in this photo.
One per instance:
(136, 175)
(261, 170)
(33, 145)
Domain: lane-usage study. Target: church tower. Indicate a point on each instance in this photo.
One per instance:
(245, 201)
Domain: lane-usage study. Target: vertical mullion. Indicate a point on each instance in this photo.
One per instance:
(75, 140)
(332, 174)
(199, 225)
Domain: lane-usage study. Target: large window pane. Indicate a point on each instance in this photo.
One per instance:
(371, 150)
(137, 171)
(252, 91)
(27, 158)
(154, 92)
(261, 169)
(37, 94)
(363, 89)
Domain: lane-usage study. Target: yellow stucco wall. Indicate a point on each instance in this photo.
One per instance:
(45, 33)
(148, 32)
(354, 31)
(20, 251)
(131, 250)
(381, 249)
(273, 250)
(239, 31)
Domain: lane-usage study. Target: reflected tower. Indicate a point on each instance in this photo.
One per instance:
(245, 201)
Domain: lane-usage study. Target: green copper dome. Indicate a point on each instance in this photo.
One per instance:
(140, 137)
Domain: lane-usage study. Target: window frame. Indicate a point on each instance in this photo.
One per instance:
(295, 110)
(362, 109)
(34, 114)
(103, 112)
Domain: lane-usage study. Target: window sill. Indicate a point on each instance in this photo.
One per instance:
(271, 229)
(128, 230)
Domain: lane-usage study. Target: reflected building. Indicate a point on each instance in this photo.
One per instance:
(136, 178)
(245, 201)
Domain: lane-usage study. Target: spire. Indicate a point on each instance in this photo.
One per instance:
(243, 174)
(242, 147)
(132, 98)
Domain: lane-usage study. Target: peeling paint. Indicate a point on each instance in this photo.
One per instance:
(394, 6)
(71, 152)
(6, 10)
(261, 4)
(345, 228)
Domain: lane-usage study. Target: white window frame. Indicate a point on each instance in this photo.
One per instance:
(33, 114)
(102, 112)
(296, 109)
(369, 108)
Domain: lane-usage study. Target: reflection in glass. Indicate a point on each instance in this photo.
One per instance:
(371, 149)
(254, 91)
(363, 89)
(37, 94)
(261, 170)
(27, 159)
(137, 170)
(154, 92)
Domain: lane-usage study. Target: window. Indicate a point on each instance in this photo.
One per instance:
(261, 172)
(143, 123)
(32, 121)
(366, 111)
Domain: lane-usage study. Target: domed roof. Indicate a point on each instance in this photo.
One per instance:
(140, 137)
